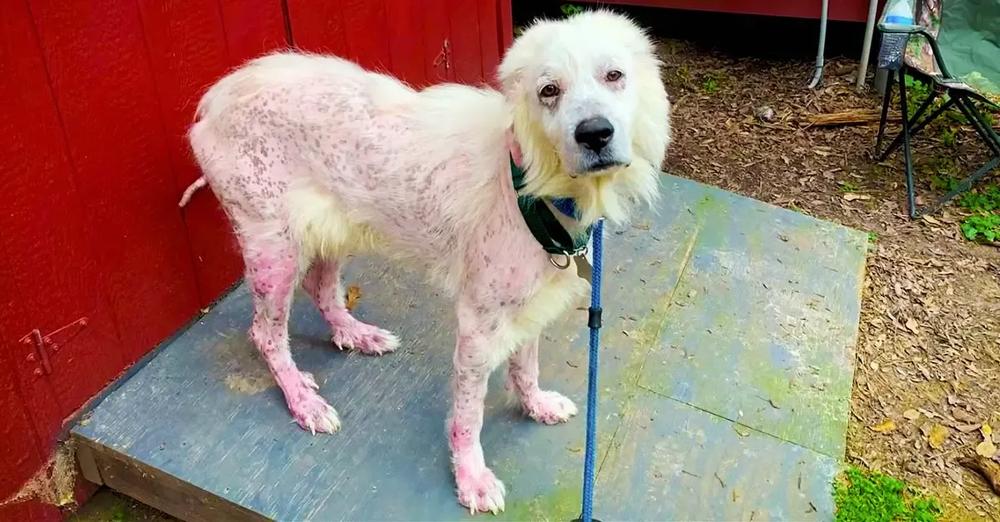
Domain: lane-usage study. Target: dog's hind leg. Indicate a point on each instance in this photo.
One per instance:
(322, 282)
(271, 270)
(547, 407)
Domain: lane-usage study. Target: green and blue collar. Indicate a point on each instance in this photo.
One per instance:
(543, 224)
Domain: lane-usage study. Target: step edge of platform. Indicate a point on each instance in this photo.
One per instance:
(145, 483)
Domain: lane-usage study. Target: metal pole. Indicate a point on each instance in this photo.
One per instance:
(818, 73)
(866, 47)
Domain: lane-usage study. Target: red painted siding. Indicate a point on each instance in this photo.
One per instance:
(422, 42)
(98, 96)
(845, 10)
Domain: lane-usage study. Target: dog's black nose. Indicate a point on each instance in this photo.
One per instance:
(594, 133)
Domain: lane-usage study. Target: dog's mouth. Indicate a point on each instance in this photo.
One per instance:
(599, 167)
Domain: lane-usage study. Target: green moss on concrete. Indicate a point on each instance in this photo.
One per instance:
(560, 505)
(874, 497)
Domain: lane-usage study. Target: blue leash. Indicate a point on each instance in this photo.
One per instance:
(594, 323)
(543, 226)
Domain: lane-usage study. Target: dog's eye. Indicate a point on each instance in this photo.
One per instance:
(613, 76)
(549, 91)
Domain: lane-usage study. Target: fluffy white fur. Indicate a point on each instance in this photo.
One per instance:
(315, 159)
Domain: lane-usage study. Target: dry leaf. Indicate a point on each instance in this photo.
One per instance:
(963, 415)
(929, 414)
(938, 435)
(911, 325)
(986, 449)
(911, 414)
(884, 427)
(930, 219)
(966, 428)
(353, 296)
(741, 430)
(851, 196)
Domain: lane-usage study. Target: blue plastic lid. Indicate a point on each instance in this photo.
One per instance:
(897, 19)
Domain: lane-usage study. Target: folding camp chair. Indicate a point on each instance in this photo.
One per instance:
(954, 49)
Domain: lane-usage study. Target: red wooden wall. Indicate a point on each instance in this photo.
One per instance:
(845, 10)
(97, 96)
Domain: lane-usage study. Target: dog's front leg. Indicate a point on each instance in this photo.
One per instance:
(477, 487)
(547, 407)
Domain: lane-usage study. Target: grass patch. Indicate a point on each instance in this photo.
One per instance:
(849, 186)
(986, 199)
(944, 183)
(570, 9)
(948, 137)
(986, 226)
(710, 84)
(874, 497)
(916, 93)
(984, 222)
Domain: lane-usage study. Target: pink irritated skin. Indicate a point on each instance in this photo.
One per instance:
(478, 488)
(444, 200)
(547, 407)
(271, 271)
(504, 269)
(322, 282)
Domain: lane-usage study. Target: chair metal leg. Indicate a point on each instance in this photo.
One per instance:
(975, 118)
(978, 122)
(886, 100)
(962, 186)
(907, 158)
(912, 126)
(916, 123)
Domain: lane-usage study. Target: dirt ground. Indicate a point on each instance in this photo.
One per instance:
(108, 506)
(928, 353)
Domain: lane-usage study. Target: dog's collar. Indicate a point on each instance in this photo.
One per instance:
(546, 228)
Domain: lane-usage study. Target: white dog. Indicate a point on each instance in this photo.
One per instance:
(314, 158)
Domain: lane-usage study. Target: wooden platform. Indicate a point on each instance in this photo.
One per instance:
(726, 375)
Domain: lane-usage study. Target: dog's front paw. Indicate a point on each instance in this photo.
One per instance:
(312, 412)
(365, 338)
(549, 407)
(480, 492)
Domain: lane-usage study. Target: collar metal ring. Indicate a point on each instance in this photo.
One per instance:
(552, 259)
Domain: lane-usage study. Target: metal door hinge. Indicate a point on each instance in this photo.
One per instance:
(444, 57)
(42, 345)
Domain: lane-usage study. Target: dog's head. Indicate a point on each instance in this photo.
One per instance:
(591, 115)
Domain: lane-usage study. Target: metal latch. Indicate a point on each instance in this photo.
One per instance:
(41, 345)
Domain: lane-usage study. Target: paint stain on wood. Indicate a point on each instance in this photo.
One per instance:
(249, 384)
(241, 369)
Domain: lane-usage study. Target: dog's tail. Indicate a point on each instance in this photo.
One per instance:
(192, 188)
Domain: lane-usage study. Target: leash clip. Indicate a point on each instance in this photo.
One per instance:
(552, 259)
(580, 252)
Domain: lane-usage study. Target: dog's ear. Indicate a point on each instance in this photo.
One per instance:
(651, 131)
(520, 54)
(511, 70)
(510, 77)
